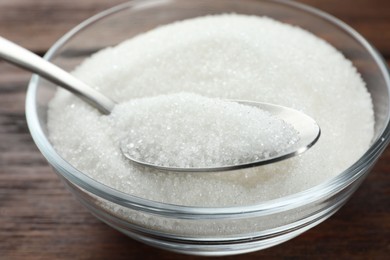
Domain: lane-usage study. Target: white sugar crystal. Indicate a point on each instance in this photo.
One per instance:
(228, 57)
(189, 130)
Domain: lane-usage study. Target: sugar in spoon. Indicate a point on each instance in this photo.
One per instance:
(308, 129)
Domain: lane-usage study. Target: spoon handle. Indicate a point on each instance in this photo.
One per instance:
(26, 59)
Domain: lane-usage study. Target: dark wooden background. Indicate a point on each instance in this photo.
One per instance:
(39, 219)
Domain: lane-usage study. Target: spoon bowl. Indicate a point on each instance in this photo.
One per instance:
(308, 130)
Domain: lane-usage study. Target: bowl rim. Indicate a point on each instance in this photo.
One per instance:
(285, 203)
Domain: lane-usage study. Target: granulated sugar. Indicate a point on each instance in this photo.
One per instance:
(227, 57)
(189, 130)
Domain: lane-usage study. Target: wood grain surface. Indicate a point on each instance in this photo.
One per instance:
(39, 219)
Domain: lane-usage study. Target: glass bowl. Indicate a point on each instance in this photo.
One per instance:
(187, 229)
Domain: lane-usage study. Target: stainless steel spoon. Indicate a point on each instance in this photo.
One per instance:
(308, 129)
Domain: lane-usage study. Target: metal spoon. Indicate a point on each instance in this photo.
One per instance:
(308, 129)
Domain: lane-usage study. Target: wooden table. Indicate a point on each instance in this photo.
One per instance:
(39, 219)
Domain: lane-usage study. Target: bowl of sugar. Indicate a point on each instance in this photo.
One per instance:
(278, 52)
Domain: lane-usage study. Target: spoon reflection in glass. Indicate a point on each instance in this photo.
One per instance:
(308, 129)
